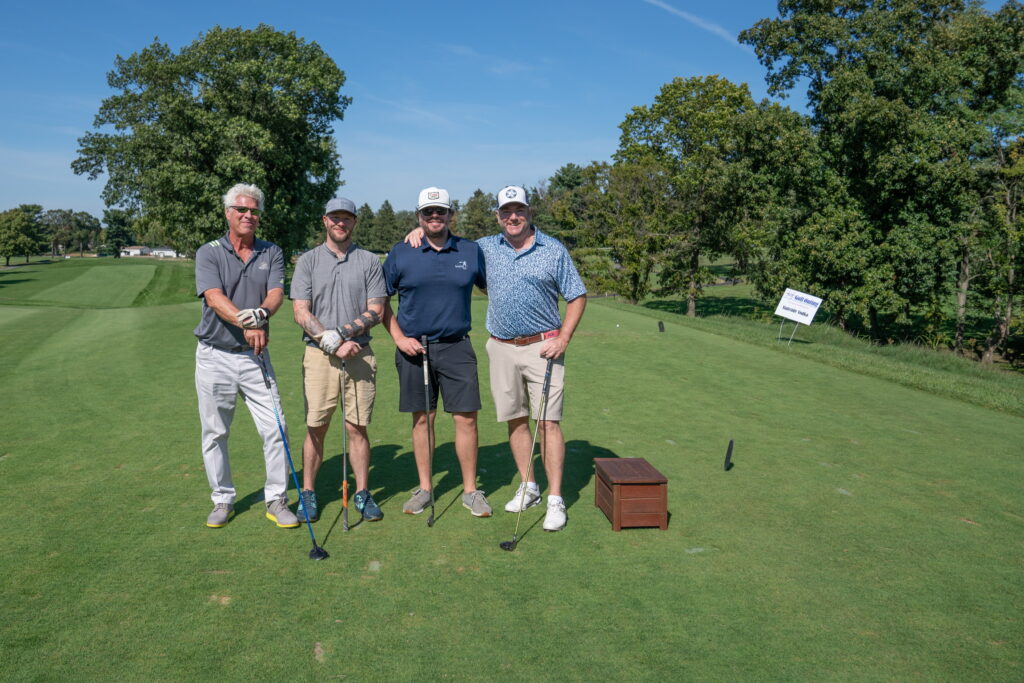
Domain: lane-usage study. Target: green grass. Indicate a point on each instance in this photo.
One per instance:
(869, 530)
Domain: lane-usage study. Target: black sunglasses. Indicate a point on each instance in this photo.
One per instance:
(246, 209)
(434, 211)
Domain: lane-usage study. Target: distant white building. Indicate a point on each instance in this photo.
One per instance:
(136, 251)
(165, 252)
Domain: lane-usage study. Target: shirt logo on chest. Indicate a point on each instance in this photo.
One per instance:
(461, 265)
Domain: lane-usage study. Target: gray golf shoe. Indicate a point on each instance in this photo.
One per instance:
(222, 512)
(278, 512)
(476, 503)
(417, 503)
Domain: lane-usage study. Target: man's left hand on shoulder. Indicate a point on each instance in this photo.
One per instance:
(554, 347)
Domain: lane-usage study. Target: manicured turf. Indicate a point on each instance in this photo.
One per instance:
(867, 531)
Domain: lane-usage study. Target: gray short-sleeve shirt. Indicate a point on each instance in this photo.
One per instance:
(337, 288)
(246, 284)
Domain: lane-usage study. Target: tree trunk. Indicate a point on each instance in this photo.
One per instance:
(691, 294)
(8, 262)
(963, 280)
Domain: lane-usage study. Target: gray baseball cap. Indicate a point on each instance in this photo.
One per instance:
(340, 204)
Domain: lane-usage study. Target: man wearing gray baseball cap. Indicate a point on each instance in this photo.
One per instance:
(338, 294)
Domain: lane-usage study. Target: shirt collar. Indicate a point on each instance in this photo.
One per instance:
(258, 245)
(450, 245)
(539, 238)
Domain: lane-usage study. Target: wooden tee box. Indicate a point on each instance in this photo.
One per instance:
(631, 493)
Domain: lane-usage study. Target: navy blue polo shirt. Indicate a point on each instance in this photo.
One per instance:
(435, 287)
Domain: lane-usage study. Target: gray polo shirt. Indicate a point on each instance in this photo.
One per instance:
(246, 284)
(337, 288)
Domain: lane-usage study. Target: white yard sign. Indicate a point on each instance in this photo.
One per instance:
(798, 307)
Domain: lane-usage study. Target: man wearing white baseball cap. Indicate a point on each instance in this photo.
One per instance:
(527, 272)
(526, 331)
(434, 282)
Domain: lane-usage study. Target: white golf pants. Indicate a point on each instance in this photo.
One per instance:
(221, 376)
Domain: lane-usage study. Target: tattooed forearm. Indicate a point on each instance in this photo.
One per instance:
(306, 320)
(366, 320)
(360, 325)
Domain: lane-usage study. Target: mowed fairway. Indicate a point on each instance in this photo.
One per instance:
(867, 531)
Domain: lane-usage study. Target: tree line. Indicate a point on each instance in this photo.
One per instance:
(894, 198)
(29, 230)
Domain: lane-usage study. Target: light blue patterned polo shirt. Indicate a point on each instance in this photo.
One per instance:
(523, 287)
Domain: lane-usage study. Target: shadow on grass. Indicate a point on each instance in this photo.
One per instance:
(393, 473)
(710, 305)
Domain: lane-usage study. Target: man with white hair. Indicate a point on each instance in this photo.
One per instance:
(241, 281)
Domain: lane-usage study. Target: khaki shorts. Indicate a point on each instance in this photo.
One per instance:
(517, 375)
(322, 380)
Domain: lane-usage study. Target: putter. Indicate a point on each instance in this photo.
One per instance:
(344, 450)
(511, 545)
(317, 553)
(728, 457)
(430, 440)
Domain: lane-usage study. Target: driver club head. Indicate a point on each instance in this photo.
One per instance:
(318, 553)
(508, 545)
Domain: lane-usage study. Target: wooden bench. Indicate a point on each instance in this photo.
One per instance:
(631, 492)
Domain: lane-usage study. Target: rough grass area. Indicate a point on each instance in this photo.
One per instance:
(868, 530)
(936, 372)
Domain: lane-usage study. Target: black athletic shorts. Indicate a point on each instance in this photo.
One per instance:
(452, 369)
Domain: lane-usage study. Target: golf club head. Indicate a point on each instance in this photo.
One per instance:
(430, 520)
(318, 553)
(508, 545)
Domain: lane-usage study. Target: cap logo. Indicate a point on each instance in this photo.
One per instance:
(433, 195)
(510, 193)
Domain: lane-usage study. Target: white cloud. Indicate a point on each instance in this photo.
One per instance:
(708, 26)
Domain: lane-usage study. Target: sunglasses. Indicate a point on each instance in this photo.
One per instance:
(434, 211)
(246, 209)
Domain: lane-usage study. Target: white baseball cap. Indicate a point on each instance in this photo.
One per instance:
(433, 196)
(510, 194)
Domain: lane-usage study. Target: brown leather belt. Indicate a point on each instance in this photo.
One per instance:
(532, 339)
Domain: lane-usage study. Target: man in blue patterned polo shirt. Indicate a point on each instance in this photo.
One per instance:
(527, 272)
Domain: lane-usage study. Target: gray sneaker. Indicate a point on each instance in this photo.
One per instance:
(476, 503)
(222, 512)
(278, 512)
(418, 503)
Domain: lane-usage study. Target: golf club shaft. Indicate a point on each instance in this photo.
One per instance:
(344, 449)
(430, 439)
(536, 431)
(284, 440)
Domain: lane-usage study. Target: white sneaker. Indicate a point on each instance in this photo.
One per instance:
(556, 518)
(531, 498)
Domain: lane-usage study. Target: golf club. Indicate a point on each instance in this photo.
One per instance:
(317, 553)
(511, 545)
(430, 439)
(344, 450)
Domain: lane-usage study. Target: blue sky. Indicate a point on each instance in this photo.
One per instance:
(456, 94)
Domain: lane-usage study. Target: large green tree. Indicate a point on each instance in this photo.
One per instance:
(19, 232)
(236, 105)
(477, 217)
(899, 92)
(692, 131)
(119, 231)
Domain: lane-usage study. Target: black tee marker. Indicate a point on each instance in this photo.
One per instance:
(661, 326)
(728, 457)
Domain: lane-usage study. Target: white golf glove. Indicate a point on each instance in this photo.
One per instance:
(330, 341)
(252, 318)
